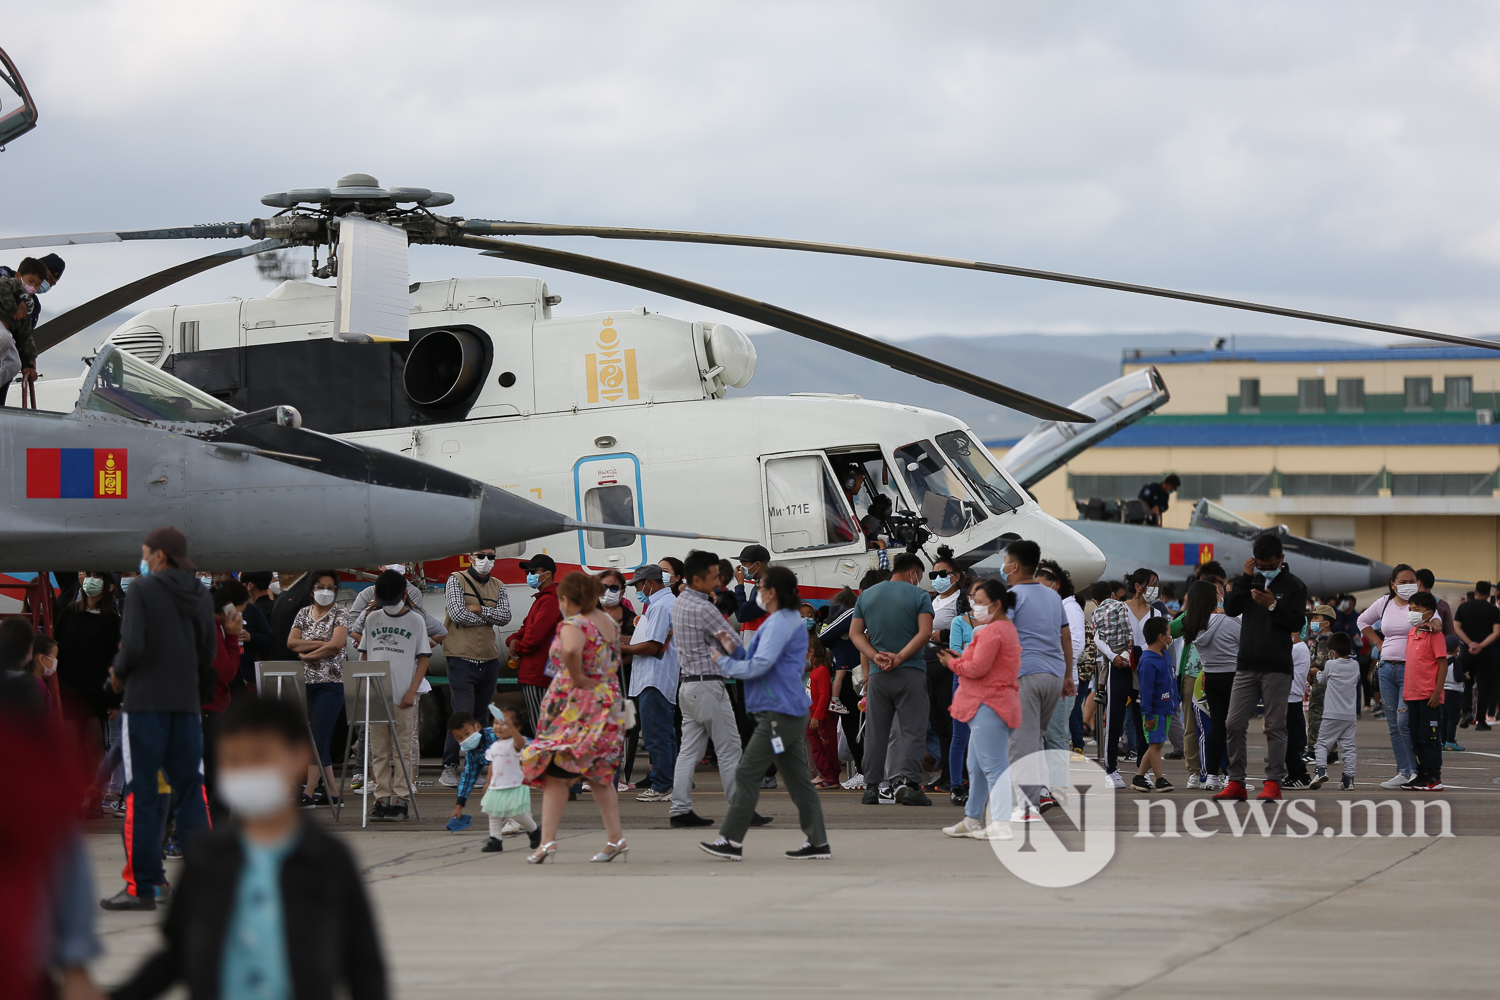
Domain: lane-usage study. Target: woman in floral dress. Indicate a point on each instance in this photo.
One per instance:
(318, 637)
(581, 729)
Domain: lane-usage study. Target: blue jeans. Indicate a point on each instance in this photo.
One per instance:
(958, 748)
(1392, 677)
(171, 742)
(660, 737)
(471, 688)
(989, 766)
(323, 703)
(1075, 717)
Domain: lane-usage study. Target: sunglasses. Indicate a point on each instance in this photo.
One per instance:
(613, 590)
(484, 555)
(937, 574)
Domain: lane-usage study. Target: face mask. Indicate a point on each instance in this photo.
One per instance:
(50, 668)
(1315, 626)
(255, 792)
(534, 580)
(483, 566)
(611, 597)
(760, 600)
(125, 583)
(1270, 574)
(275, 588)
(469, 742)
(145, 568)
(1150, 594)
(809, 623)
(44, 287)
(942, 583)
(982, 613)
(1406, 590)
(207, 581)
(33, 289)
(1414, 617)
(93, 586)
(323, 597)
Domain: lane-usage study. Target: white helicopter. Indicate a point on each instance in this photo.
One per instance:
(618, 417)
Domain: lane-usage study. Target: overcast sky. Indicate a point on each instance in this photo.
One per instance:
(1337, 157)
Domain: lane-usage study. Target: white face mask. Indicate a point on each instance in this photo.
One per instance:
(255, 792)
(610, 599)
(1406, 590)
(982, 613)
(324, 597)
(275, 588)
(51, 667)
(1414, 617)
(1150, 594)
(483, 566)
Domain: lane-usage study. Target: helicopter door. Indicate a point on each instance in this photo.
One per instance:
(607, 490)
(805, 508)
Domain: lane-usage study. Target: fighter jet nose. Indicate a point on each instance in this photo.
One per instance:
(1380, 574)
(505, 519)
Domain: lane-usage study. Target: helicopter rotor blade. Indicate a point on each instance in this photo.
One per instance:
(220, 231)
(60, 328)
(783, 319)
(726, 239)
(573, 525)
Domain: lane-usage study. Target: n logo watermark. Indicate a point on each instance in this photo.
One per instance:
(1071, 843)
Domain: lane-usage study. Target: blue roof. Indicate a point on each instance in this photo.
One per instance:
(1249, 435)
(1357, 354)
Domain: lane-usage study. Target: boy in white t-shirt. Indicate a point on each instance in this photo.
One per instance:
(1340, 678)
(398, 635)
(1296, 721)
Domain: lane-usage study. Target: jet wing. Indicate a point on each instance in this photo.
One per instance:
(1113, 407)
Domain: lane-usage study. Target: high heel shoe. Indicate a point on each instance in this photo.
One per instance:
(547, 850)
(619, 850)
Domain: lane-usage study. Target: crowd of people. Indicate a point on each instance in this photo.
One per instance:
(923, 681)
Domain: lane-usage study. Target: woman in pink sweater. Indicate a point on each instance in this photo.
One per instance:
(987, 699)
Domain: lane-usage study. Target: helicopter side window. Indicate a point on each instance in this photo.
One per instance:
(939, 494)
(807, 506)
(126, 386)
(973, 460)
(610, 505)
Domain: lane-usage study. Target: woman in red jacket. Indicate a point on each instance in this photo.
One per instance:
(988, 700)
(230, 598)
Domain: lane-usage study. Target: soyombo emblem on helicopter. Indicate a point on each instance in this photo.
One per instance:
(611, 372)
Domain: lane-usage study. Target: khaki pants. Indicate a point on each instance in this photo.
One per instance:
(385, 767)
(1189, 726)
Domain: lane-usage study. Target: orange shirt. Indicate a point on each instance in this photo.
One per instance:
(1426, 664)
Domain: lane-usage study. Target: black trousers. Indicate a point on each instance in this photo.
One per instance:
(1487, 682)
(1426, 722)
(1296, 742)
(1122, 702)
(939, 698)
(1453, 706)
(1216, 688)
(851, 719)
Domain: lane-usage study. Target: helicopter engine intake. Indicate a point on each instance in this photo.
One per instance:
(443, 368)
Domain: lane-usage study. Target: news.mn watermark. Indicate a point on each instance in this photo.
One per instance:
(1073, 842)
(1297, 818)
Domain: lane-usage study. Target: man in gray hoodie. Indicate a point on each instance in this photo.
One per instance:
(167, 647)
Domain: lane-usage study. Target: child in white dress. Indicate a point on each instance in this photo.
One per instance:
(506, 795)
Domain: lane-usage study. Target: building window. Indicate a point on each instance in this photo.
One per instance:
(1302, 484)
(1194, 486)
(1458, 392)
(1249, 395)
(1310, 395)
(1351, 395)
(1442, 484)
(1335, 531)
(1419, 394)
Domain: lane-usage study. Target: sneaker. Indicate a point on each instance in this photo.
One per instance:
(854, 784)
(1045, 801)
(493, 846)
(837, 707)
(870, 797)
(1296, 783)
(396, 814)
(356, 782)
(688, 818)
(1398, 779)
(1143, 783)
(1115, 780)
(722, 848)
(1270, 791)
(756, 819)
(1318, 779)
(123, 900)
(306, 801)
(652, 795)
(769, 781)
(1466, 720)
(1233, 791)
(910, 795)
(1482, 727)
(1452, 747)
(1163, 785)
(509, 828)
(998, 830)
(810, 852)
(1024, 814)
(1172, 755)
(1416, 784)
(885, 795)
(1194, 782)
(449, 777)
(960, 795)
(163, 892)
(379, 811)
(966, 827)
(1346, 783)
(173, 850)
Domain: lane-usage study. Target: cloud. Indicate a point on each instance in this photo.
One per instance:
(1337, 157)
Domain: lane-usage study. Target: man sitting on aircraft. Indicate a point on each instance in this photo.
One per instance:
(35, 276)
(1156, 496)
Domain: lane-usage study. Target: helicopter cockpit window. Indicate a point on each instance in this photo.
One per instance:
(939, 494)
(610, 505)
(807, 507)
(126, 386)
(973, 460)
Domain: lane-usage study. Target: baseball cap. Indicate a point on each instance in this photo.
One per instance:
(650, 571)
(173, 543)
(1325, 610)
(540, 561)
(754, 553)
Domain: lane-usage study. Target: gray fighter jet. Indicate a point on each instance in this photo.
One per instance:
(250, 490)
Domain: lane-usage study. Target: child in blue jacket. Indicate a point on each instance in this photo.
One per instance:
(1159, 701)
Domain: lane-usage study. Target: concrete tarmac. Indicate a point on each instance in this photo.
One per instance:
(903, 911)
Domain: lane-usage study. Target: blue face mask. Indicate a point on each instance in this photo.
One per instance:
(942, 583)
(469, 742)
(43, 286)
(1270, 574)
(809, 623)
(125, 582)
(533, 580)
(145, 568)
